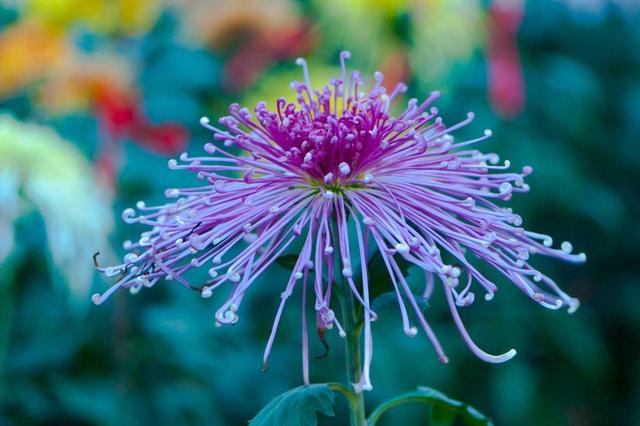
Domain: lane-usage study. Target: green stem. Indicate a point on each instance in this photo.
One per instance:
(351, 397)
(352, 330)
(352, 354)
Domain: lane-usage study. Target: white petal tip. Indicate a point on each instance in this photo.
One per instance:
(510, 354)
(573, 306)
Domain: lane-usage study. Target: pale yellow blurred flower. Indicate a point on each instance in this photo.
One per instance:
(445, 34)
(39, 169)
(441, 34)
(363, 27)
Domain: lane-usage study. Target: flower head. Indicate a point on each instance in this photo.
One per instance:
(336, 171)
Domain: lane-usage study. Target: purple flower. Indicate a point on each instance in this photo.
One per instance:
(336, 171)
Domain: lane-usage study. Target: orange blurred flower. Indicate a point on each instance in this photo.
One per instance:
(29, 51)
(62, 79)
(81, 80)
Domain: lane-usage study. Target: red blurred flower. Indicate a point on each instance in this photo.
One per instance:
(250, 60)
(506, 82)
(120, 116)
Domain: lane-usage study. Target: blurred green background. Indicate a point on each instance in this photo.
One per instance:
(97, 95)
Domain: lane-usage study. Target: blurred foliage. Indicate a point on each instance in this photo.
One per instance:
(158, 359)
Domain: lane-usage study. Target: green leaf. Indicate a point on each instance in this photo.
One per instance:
(287, 261)
(297, 406)
(443, 412)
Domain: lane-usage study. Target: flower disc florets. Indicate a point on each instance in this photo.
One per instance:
(336, 171)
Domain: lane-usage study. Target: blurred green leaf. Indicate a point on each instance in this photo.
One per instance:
(297, 407)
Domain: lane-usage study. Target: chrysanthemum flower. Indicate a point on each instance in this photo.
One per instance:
(336, 171)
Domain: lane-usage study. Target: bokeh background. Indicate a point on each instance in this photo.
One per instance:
(97, 95)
